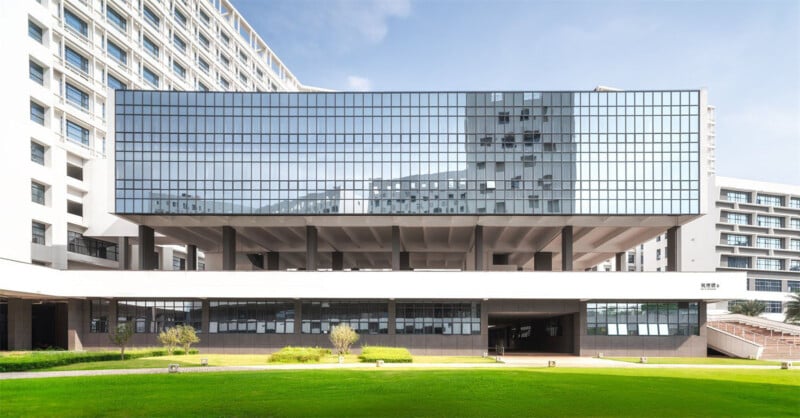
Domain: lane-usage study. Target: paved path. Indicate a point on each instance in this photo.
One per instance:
(507, 362)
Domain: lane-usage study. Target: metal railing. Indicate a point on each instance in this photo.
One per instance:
(773, 341)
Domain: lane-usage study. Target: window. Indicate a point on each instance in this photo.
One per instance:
(150, 76)
(768, 242)
(204, 17)
(794, 202)
(223, 59)
(150, 46)
(116, 51)
(503, 117)
(180, 17)
(648, 318)
(98, 316)
(76, 60)
(742, 240)
(794, 244)
(37, 155)
(363, 317)
(75, 171)
(773, 306)
(76, 23)
(795, 223)
(740, 197)
(115, 83)
(794, 265)
(658, 254)
(242, 77)
(35, 31)
(151, 17)
(179, 43)
(36, 72)
(77, 133)
(224, 83)
(74, 208)
(77, 97)
(116, 18)
(203, 41)
(251, 316)
(768, 285)
(38, 230)
(203, 65)
(77, 243)
(737, 218)
(769, 264)
(438, 318)
(793, 285)
(37, 113)
(769, 200)
(769, 221)
(524, 114)
(178, 263)
(178, 69)
(154, 316)
(739, 262)
(201, 86)
(37, 192)
(224, 38)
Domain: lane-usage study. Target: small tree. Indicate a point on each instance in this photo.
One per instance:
(186, 337)
(793, 309)
(170, 339)
(121, 337)
(342, 337)
(749, 307)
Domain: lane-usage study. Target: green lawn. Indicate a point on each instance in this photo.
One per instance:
(698, 360)
(389, 392)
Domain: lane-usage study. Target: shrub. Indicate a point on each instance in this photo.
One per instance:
(121, 337)
(186, 337)
(298, 355)
(46, 359)
(387, 354)
(342, 337)
(169, 338)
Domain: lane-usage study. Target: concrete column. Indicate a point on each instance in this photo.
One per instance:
(566, 248)
(205, 317)
(273, 260)
(337, 261)
(228, 248)
(479, 248)
(20, 322)
(124, 253)
(191, 257)
(112, 314)
(311, 248)
(405, 260)
(298, 317)
(620, 261)
(147, 248)
(543, 261)
(75, 324)
(672, 248)
(395, 248)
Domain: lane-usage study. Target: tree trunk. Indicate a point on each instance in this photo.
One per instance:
(122, 352)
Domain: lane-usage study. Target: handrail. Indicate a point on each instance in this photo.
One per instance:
(758, 322)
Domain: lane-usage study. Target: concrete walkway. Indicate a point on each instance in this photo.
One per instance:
(506, 363)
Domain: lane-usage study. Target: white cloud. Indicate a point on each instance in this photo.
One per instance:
(367, 19)
(356, 83)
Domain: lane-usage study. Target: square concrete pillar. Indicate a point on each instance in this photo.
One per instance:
(147, 248)
(405, 260)
(19, 324)
(543, 261)
(228, 248)
(620, 261)
(191, 257)
(337, 261)
(124, 253)
(76, 321)
(396, 247)
(566, 248)
(672, 248)
(311, 248)
(273, 260)
(479, 248)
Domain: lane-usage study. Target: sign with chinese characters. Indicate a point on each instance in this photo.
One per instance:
(709, 286)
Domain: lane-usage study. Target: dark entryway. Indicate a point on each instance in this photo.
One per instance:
(532, 333)
(49, 326)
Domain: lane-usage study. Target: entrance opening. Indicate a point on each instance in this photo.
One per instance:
(49, 326)
(532, 333)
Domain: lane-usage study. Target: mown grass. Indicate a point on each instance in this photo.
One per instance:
(698, 360)
(387, 392)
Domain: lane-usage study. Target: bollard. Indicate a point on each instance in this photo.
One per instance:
(203, 362)
(643, 360)
(379, 363)
(600, 355)
(174, 368)
(551, 363)
(786, 365)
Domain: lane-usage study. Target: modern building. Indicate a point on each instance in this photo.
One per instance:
(63, 57)
(499, 200)
(754, 227)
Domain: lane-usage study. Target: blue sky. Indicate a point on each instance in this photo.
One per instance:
(747, 53)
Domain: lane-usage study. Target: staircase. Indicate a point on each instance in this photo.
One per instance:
(779, 341)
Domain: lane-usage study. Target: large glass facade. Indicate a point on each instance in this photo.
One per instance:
(648, 318)
(526, 153)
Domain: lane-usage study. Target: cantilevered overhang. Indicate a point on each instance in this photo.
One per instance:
(434, 241)
(34, 282)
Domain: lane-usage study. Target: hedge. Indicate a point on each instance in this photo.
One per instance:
(46, 359)
(387, 354)
(298, 355)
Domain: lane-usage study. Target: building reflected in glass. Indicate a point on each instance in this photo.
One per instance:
(455, 153)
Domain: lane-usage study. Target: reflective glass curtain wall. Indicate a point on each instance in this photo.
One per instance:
(523, 153)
